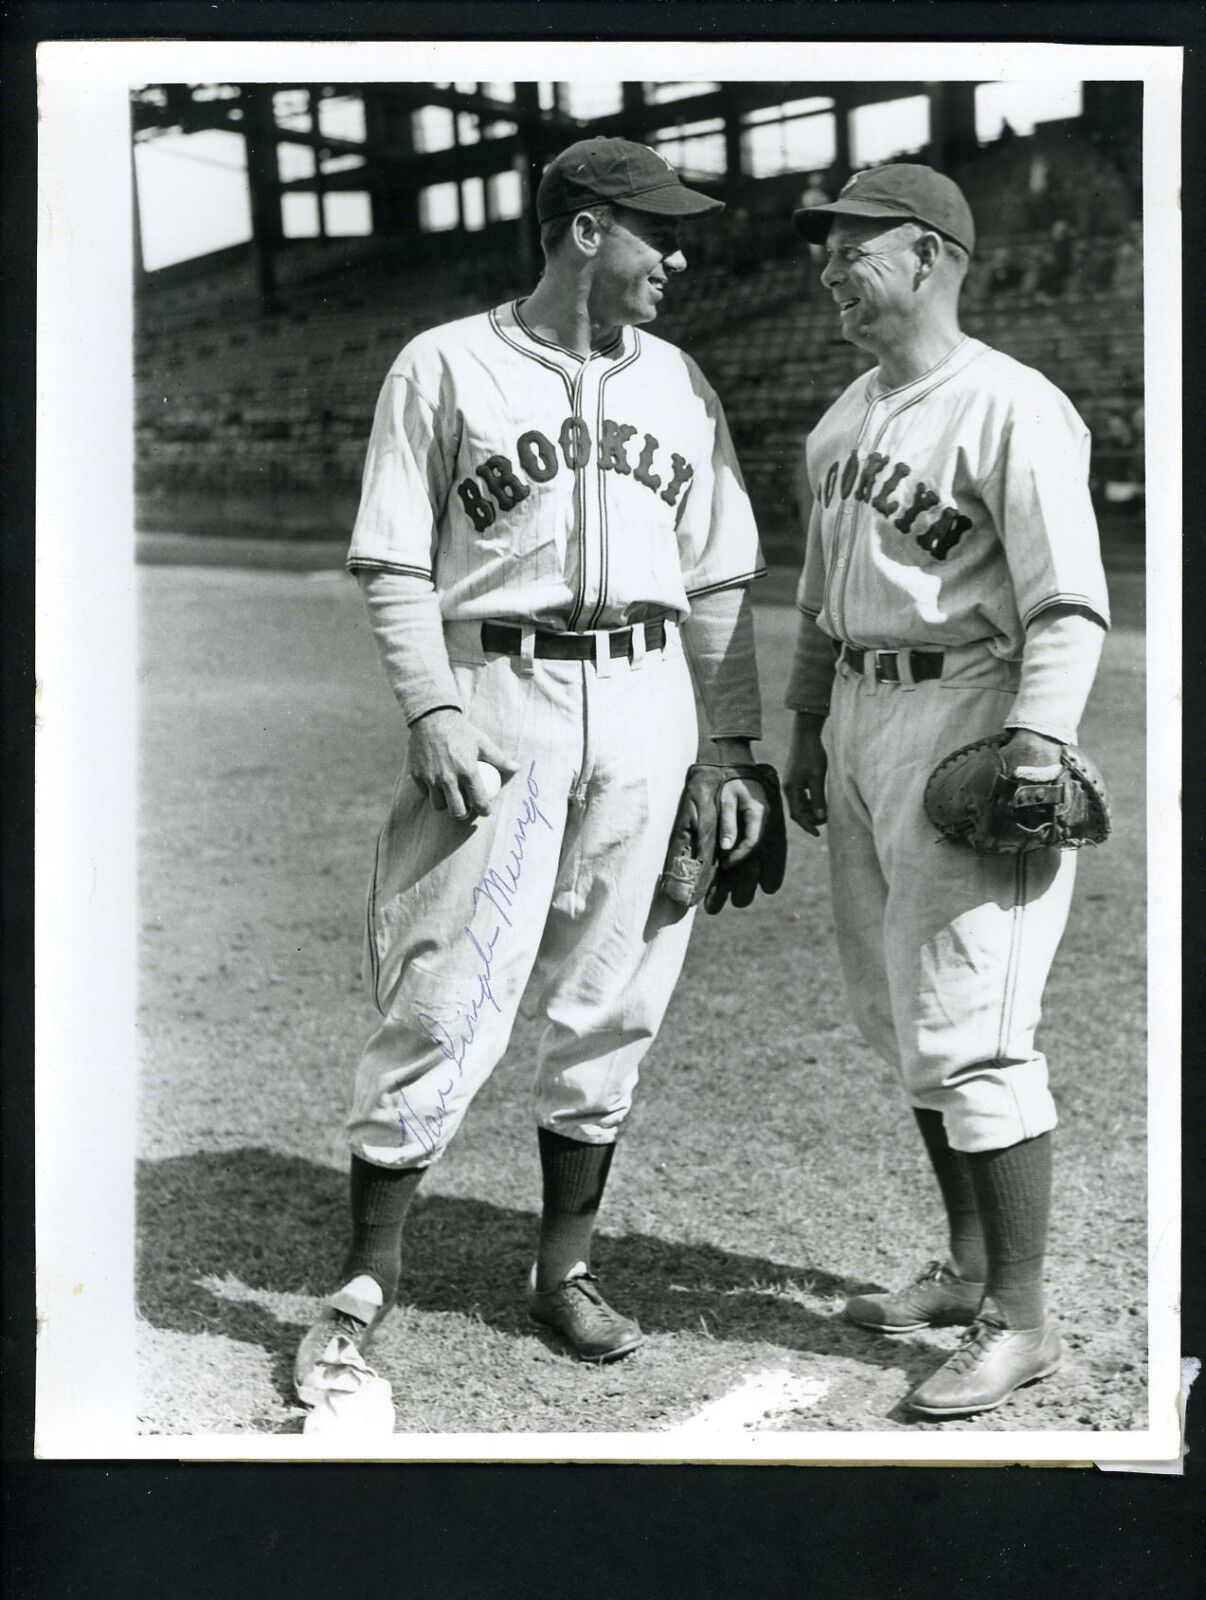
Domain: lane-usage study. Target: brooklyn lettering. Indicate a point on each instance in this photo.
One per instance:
(500, 483)
(879, 483)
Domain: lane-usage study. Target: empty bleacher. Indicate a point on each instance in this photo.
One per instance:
(250, 424)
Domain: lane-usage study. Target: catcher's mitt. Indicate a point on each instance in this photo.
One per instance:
(972, 799)
(694, 868)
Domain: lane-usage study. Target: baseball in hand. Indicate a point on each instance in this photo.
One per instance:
(490, 779)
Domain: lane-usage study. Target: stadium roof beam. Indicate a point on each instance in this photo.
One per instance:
(187, 114)
(432, 166)
(741, 97)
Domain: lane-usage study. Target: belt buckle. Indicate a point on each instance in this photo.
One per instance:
(880, 672)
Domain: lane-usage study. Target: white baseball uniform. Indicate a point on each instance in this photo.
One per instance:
(538, 488)
(950, 515)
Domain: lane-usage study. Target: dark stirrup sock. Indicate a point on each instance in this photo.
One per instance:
(573, 1178)
(958, 1196)
(380, 1197)
(1013, 1190)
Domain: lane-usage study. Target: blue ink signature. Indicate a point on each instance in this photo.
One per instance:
(497, 888)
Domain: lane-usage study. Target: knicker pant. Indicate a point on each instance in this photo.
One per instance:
(945, 952)
(552, 895)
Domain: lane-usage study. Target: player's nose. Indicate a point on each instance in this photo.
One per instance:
(829, 276)
(676, 261)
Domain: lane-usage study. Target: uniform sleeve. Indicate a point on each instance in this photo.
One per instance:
(1059, 663)
(718, 637)
(810, 684)
(717, 537)
(406, 480)
(1038, 495)
(810, 591)
(404, 613)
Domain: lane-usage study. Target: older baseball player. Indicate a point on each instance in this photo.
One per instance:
(552, 526)
(952, 588)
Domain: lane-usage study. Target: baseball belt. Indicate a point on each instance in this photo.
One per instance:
(885, 664)
(507, 639)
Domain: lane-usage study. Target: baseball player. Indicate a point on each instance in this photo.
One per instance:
(553, 529)
(952, 588)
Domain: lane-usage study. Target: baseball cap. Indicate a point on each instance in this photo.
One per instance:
(618, 170)
(903, 190)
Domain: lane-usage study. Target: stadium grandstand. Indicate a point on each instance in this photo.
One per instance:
(290, 238)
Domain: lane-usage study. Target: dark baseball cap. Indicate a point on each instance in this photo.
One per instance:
(903, 191)
(620, 171)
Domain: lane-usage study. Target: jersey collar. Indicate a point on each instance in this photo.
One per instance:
(953, 361)
(510, 320)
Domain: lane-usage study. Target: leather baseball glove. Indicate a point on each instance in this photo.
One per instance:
(973, 799)
(694, 868)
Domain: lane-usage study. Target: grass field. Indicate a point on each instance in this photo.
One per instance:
(767, 1171)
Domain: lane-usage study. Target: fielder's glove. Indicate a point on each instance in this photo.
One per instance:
(972, 799)
(694, 869)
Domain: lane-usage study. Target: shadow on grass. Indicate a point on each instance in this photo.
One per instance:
(276, 1225)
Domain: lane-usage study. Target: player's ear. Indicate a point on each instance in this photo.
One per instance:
(587, 230)
(926, 248)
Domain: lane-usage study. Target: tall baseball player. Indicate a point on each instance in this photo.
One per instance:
(552, 526)
(952, 588)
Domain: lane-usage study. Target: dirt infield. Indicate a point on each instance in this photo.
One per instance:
(768, 1169)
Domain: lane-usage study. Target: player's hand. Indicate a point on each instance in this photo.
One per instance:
(804, 775)
(743, 810)
(1031, 754)
(445, 748)
(742, 806)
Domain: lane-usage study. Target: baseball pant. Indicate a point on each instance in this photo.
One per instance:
(552, 896)
(945, 952)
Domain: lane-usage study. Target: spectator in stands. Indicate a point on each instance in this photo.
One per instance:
(1004, 272)
(1128, 269)
(1055, 266)
(743, 249)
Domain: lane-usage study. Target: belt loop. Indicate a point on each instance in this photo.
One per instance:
(602, 652)
(904, 669)
(637, 646)
(527, 650)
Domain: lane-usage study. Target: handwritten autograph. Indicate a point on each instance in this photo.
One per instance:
(498, 888)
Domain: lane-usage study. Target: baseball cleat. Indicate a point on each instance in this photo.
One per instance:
(992, 1361)
(936, 1298)
(342, 1331)
(577, 1311)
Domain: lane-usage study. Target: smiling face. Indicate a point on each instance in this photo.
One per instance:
(871, 272)
(638, 254)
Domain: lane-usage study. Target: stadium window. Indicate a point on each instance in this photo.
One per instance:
(1023, 105)
(439, 208)
(431, 127)
(341, 116)
(888, 129)
(344, 163)
(291, 109)
(347, 213)
(467, 131)
(587, 100)
(499, 130)
(546, 94)
(658, 93)
(506, 196)
(473, 205)
(192, 195)
(294, 161)
(299, 215)
(800, 143)
(696, 149)
(499, 91)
